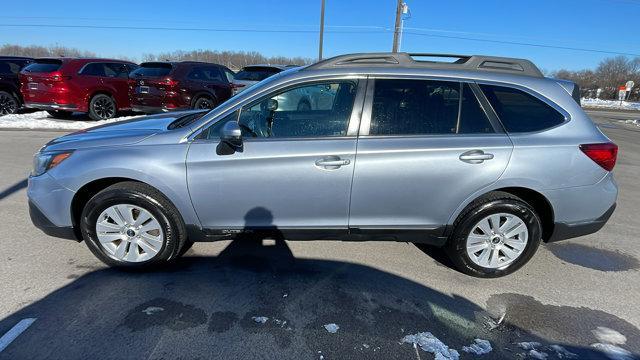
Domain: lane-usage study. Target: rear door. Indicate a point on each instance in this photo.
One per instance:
(424, 147)
(117, 78)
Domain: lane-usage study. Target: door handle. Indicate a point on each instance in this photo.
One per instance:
(475, 156)
(332, 162)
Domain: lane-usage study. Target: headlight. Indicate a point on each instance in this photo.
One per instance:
(45, 161)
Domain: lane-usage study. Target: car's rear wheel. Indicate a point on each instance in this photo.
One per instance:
(9, 104)
(203, 102)
(130, 224)
(102, 107)
(59, 114)
(494, 236)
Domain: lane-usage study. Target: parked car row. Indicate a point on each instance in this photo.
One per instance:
(104, 87)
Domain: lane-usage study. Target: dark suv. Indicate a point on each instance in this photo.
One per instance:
(167, 86)
(10, 97)
(61, 86)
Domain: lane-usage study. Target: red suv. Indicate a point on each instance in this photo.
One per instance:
(64, 85)
(167, 86)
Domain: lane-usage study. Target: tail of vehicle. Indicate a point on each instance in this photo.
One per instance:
(152, 85)
(45, 81)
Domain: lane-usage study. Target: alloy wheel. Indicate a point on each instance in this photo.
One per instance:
(129, 233)
(497, 240)
(8, 104)
(104, 108)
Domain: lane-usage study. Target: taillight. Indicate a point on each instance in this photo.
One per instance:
(604, 154)
(56, 76)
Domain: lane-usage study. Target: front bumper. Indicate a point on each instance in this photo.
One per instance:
(51, 106)
(41, 222)
(50, 206)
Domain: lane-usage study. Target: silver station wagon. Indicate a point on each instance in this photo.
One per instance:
(482, 156)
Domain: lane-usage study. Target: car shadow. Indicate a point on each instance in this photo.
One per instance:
(255, 299)
(13, 188)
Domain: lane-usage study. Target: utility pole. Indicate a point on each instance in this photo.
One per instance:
(396, 32)
(321, 30)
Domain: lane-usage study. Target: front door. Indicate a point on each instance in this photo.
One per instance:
(428, 147)
(294, 170)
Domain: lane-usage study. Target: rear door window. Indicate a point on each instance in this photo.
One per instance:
(93, 69)
(426, 107)
(116, 70)
(205, 73)
(519, 111)
(44, 66)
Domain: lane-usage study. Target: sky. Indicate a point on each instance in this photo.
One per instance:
(558, 32)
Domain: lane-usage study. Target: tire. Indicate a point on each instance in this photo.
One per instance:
(102, 107)
(9, 104)
(304, 106)
(512, 212)
(170, 226)
(203, 102)
(59, 114)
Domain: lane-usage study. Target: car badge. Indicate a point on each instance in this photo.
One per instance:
(141, 82)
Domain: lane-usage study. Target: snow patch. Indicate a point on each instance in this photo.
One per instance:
(613, 352)
(432, 344)
(609, 104)
(260, 319)
(531, 345)
(538, 354)
(42, 120)
(152, 310)
(563, 353)
(479, 347)
(609, 336)
(332, 328)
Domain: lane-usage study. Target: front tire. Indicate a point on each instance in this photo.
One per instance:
(132, 225)
(494, 236)
(9, 104)
(102, 107)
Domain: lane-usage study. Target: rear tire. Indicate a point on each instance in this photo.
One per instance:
(102, 107)
(203, 102)
(115, 233)
(59, 114)
(467, 244)
(9, 104)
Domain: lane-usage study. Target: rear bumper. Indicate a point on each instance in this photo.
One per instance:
(40, 221)
(51, 106)
(563, 231)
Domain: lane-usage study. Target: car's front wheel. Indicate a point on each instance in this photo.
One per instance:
(494, 236)
(131, 224)
(8, 103)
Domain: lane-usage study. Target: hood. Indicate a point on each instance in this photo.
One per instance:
(125, 132)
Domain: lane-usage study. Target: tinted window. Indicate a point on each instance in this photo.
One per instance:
(11, 66)
(93, 69)
(519, 111)
(44, 66)
(230, 75)
(205, 73)
(116, 70)
(152, 70)
(256, 73)
(318, 110)
(415, 107)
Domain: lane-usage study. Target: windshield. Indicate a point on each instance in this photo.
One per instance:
(152, 70)
(256, 73)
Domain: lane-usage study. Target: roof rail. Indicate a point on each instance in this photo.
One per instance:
(412, 60)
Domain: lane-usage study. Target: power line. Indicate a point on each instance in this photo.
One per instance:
(337, 30)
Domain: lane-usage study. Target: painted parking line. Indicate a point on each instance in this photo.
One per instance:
(15, 331)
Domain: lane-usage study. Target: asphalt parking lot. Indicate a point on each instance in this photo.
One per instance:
(211, 304)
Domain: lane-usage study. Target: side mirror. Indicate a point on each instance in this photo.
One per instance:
(231, 134)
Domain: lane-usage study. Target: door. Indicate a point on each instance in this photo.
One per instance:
(294, 170)
(425, 146)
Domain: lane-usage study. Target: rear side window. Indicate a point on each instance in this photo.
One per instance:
(519, 111)
(152, 70)
(256, 73)
(93, 69)
(44, 66)
(205, 73)
(425, 107)
(10, 66)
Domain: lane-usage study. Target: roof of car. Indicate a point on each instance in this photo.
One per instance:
(84, 59)
(275, 66)
(479, 63)
(7, 57)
